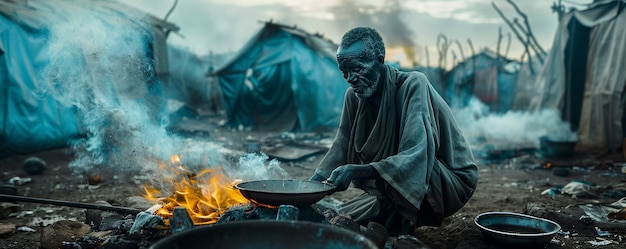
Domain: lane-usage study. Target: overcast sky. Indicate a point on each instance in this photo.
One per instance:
(221, 26)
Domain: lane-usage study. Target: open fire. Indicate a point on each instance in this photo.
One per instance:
(205, 195)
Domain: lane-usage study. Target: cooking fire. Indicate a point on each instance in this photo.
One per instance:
(205, 195)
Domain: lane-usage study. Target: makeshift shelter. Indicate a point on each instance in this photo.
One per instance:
(187, 80)
(30, 120)
(486, 76)
(283, 79)
(584, 74)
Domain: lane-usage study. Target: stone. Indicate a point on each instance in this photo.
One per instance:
(377, 233)
(7, 208)
(54, 235)
(146, 220)
(6, 228)
(180, 220)
(34, 165)
(101, 219)
(138, 202)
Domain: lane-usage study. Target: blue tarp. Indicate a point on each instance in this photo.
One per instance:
(29, 121)
(485, 76)
(43, 64)
(283, 79)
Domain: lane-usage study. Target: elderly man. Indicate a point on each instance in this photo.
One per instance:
(398, 141)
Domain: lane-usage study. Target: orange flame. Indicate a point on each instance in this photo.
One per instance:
(205, 196)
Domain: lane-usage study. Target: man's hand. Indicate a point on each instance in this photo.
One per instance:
(317, 178)
(343, 175)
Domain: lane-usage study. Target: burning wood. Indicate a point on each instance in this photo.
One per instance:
(205, 196)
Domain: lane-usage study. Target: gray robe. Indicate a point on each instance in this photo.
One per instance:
(413, 141)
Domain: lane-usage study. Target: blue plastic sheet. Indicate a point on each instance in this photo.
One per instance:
(29, 121)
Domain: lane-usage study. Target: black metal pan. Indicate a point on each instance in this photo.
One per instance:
(266, 234)
(285, 192)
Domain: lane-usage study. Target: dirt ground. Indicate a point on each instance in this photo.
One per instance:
(512, 183)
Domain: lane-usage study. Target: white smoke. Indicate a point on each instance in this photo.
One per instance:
(510, 130)
(100, 64)
(253, 166)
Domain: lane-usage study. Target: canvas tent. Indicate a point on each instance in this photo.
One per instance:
(584, 74)
(30, 120)
(283, 79)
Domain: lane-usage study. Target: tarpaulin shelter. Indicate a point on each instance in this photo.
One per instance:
(31, 121)
(585, 72)
(486, 76)
(283, 79)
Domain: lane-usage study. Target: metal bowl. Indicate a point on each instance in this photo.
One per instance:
(516, 230)
(285, 192)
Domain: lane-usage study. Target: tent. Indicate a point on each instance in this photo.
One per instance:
(584, 74)
(30, 120)
(486, 76)
(283, 79)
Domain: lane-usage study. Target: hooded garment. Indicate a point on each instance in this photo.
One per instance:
(413, 141)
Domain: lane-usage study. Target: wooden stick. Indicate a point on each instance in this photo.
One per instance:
(15, 198)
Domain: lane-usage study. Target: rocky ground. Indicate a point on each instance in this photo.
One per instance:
(516, 181)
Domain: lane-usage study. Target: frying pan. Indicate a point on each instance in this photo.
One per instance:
(285, 192)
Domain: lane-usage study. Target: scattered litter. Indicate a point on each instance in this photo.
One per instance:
(44, 221)
(26, 229)
(92, 187)
(602, 242)
(586, 219)
(553, 191)
(7, 208)
(19, 181)
(599, 243)
(578, 188)
(602, 233)
(581, 169)
(557, 242)
(22, 214)
(606, 212)
(561, 232)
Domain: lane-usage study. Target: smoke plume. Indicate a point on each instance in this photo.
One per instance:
(101, 65)
(511, 130)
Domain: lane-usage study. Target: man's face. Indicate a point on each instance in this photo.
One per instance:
(361, 72)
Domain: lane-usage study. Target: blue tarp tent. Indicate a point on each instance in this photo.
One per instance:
(486, 76)
(28, 122)
(30, 119)
(283, 79)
